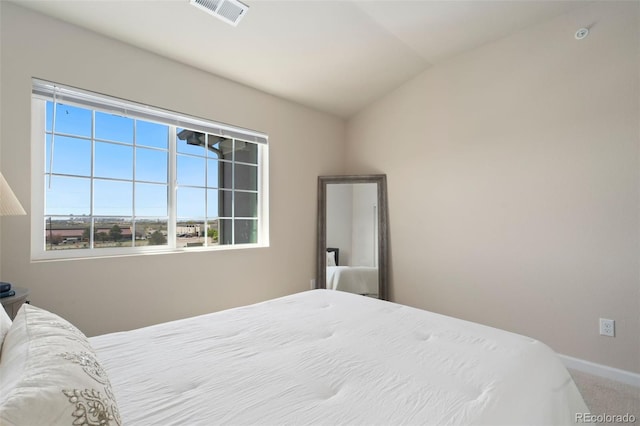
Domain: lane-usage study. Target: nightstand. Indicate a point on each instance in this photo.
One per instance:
(12, 304)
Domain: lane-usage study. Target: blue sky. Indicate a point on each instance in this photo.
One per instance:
(114, 159)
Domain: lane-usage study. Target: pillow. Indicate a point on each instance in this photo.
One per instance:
(331, 258)
(49, 375)
(5, 324)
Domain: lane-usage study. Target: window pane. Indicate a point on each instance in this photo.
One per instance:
(213, 233)
(225, 207)
(191, 142)
(112, 198)
(246, 177)
(48, 116)
(110, 233)
(70, 120)
(151, 165)
(190, 233)
(65, 233)
(225, 227)
(67, 196)
(213, 203)
(191, 203)
(246, 152)
(151, 200)
(219, 174)
(213, 174)
(71, 156)
(213, 144)
(114, 127)
(47, 153)
(225, 174)
(152, 134)
(191, 170)
(220, 148)
(246, 231)
(151, 232)
(246, 204)
(113, 161)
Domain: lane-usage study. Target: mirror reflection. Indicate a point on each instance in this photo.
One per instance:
(352, 234)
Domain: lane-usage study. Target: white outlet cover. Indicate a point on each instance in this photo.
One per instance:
(607, 327)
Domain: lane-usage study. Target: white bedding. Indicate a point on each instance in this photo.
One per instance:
(329, 357)
(354, 279)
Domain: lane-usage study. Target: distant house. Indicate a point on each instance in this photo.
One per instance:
(191, 230)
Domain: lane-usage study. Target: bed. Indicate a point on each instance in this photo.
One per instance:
(316, 357)
(361, 280)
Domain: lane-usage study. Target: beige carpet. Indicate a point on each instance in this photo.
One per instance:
(604, 396)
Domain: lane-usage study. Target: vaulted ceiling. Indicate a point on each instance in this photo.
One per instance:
(335, 56)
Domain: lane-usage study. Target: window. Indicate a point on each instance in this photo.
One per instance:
(112, 177)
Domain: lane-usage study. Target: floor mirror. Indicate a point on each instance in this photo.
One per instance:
(352, 253)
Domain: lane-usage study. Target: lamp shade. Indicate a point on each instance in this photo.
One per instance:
(9, 204)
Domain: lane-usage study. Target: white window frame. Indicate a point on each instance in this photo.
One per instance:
(44, 91)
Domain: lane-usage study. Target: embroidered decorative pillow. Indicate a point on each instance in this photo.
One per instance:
(49, 375)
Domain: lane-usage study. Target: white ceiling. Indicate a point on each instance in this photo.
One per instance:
(335, 56)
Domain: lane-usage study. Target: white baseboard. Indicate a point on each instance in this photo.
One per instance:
(600, 370)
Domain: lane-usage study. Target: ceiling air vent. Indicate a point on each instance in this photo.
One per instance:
(230, 11)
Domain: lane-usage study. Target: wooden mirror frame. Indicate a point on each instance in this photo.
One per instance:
(383, 266)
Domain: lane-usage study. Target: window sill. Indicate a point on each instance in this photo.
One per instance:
(55, 256)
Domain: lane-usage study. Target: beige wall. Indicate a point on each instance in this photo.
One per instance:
(339, 221)
(513, 175)
(104, 295)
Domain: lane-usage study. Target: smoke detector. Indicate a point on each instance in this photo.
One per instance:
(582, 33)
(230, 11)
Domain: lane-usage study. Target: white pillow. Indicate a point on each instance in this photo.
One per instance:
(331, 258)
(49, 375)
(5, 324)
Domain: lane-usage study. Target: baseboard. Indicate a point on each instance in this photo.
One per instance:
(600, 370)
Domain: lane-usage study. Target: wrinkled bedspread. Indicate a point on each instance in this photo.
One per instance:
(329, 357)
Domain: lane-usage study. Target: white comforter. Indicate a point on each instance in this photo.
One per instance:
(329, 357)
(354, 279)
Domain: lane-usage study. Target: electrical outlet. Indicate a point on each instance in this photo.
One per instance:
(313, 284)
(607, 327)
